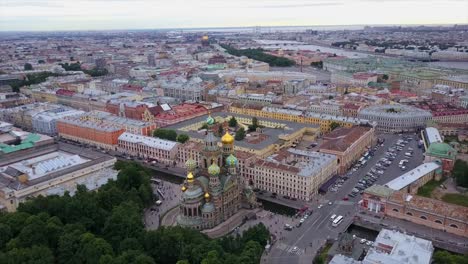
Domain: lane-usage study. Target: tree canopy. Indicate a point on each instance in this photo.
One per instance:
(233, 122)
(163, 133)
(460, 173)
(182, 138)
(334, 125)
(32, 78)
(258, 54)
(28, 67)
(240, 134)
(106, 226)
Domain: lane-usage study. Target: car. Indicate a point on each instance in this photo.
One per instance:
(298, 224)
(286, 197)
(302, 220)
(294, 249)
(320, 206)
(362, 241)
(369, 243)
(330, 203)
(345, 198)
(403, 168)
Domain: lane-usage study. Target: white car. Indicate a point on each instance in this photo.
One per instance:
(294, 249)
(369, 243)
(330, 203)
(302, 220)
(363, 241)
(320, 206)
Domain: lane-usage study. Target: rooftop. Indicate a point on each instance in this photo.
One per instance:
(304, 163)
(395, 247)
(433, 135)
(148, 141)
(412, 176)
(343, 138)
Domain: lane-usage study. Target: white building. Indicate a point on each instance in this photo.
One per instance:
(295, 173)
(415, 178)
(393, 247)
(46, 122)
(164, 151)
(52, 173)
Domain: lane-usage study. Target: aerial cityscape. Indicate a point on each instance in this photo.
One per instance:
(243, 132)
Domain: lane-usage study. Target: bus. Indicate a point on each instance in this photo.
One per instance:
(337, 221)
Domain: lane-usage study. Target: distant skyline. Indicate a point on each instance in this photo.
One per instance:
(38, 15)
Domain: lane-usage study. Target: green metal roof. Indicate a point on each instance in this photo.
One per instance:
(28, 142)
(442, 150)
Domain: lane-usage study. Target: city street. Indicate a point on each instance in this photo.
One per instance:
(317, 228)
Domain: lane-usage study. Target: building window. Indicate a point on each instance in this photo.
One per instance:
(423, 217)
(409, 213)
(453, 226)
(395, 210)
(438, 221)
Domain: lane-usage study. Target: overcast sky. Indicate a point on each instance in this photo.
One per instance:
(148, 14)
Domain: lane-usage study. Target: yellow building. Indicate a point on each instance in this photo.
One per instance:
(324, 121)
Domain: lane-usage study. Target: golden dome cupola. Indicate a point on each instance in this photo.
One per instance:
(227, 138)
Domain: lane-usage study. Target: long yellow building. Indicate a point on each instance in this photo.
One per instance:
(324, 121)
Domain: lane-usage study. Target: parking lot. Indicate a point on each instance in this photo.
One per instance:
(304, 239)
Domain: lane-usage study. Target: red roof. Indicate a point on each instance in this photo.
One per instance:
(64, 92)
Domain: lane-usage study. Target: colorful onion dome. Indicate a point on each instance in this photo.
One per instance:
(214, 169)
(207, 195)
(231, 161)
(210, 120)
(191, 164)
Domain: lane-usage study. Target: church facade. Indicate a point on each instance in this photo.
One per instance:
(212, 191)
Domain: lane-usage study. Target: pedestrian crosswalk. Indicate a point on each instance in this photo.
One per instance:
(289, 248)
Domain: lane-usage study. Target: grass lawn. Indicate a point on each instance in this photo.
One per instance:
(322, 257)
(427, 189)
(455, 198)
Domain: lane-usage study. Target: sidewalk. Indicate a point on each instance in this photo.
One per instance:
(227, 226)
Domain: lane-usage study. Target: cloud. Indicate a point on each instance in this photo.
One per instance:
(298, 5)
(30, 3)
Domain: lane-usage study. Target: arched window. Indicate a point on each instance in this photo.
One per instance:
(453, 226)
(409, 213)
(423, 217)
(438, 221)
(395, 210)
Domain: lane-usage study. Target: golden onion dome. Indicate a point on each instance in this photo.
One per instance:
(190, 177)
(207, 195)
(183, 188)
(227, 138)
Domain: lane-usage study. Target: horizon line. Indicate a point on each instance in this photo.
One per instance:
(229, 27)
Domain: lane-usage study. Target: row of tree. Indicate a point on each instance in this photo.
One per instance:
(460, 173)
(106, 226)
(32, 78)
(258, 54)
(77, 67)
(170, 134)
(444, 257)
